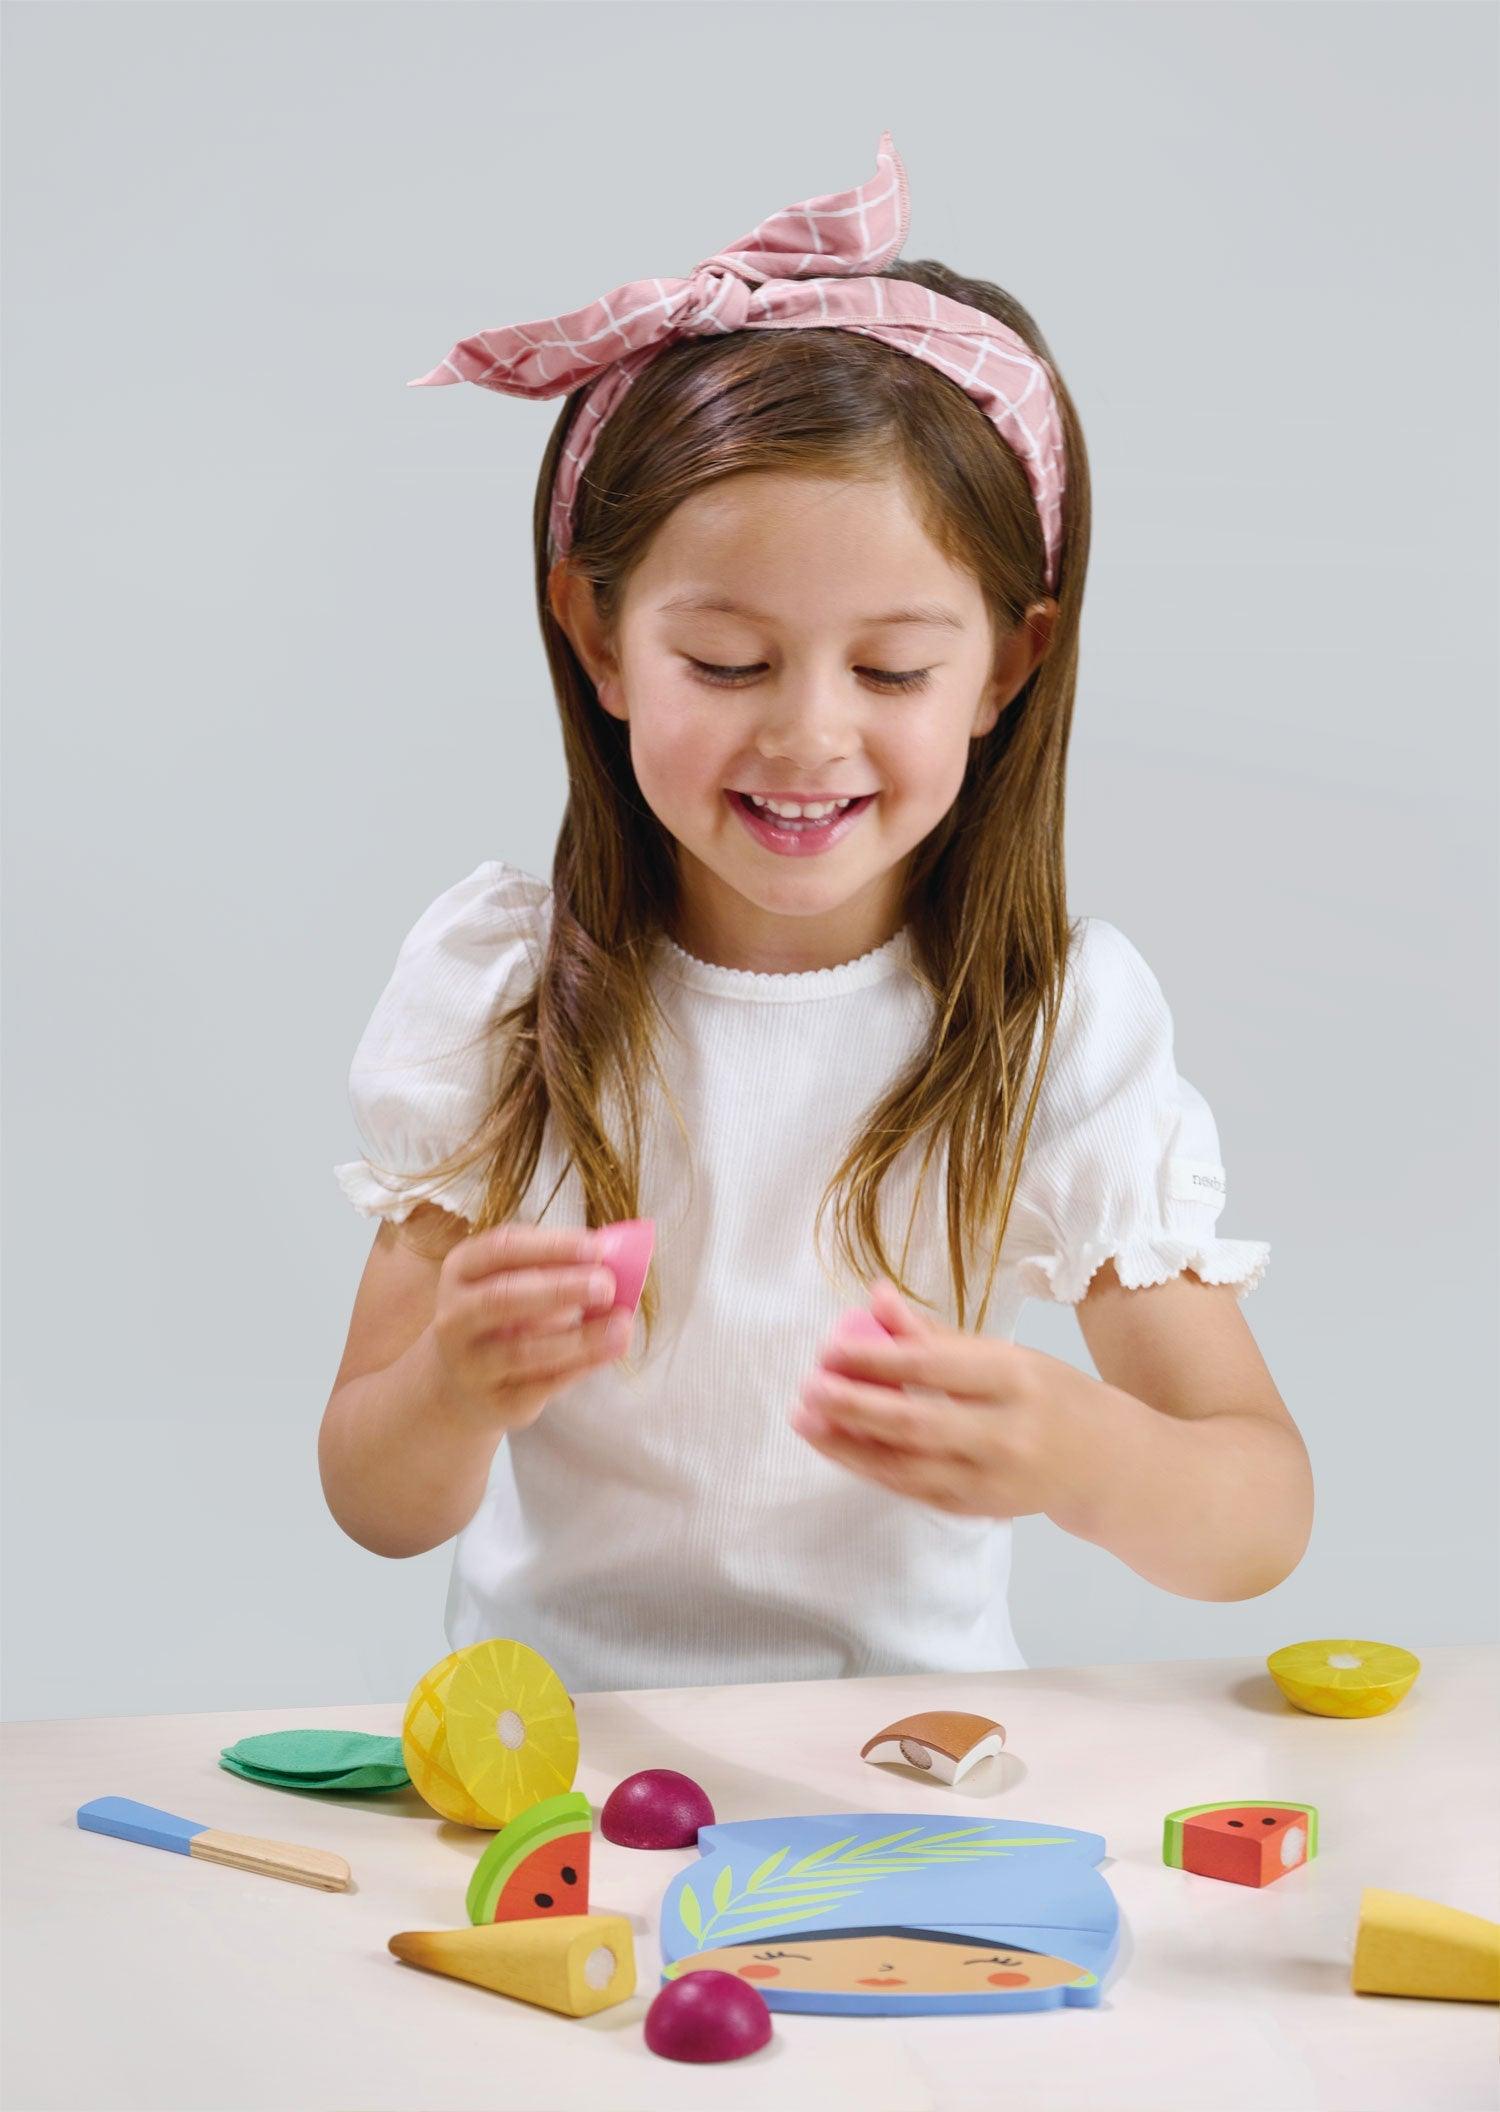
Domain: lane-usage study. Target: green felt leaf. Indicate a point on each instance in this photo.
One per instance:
(365, 1780)
(317, 1752)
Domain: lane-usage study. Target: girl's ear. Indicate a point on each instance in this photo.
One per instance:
(572, 603)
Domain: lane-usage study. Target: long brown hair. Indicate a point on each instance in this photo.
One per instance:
(985, 898)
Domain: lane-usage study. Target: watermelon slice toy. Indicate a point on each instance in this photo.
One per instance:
(1246, 1844)
(536, 1866)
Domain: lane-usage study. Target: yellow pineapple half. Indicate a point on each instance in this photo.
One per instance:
(488, 1732)
(512, 1731)
(1342, 1678)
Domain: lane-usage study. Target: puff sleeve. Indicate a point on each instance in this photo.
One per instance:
(1122, 1161)
(426, 1067)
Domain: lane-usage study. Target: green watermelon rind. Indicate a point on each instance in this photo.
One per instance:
(1171, 1840)
(534, 1828)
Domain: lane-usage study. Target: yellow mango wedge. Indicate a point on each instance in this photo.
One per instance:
(577, 1963)
(1412, 1946)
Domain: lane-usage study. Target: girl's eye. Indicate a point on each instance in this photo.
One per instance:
(734, 677)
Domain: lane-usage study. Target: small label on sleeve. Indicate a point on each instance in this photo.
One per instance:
(1195, 1181)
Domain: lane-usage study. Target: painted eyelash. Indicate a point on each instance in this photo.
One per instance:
(918, 678)
(778, 1954)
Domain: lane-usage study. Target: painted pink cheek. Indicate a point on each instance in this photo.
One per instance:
(1009, 1979)
(760, 1972)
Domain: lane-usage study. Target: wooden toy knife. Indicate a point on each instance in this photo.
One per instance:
(129, 1821)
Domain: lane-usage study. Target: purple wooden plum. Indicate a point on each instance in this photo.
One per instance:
(658, 1808)
(707, 2016)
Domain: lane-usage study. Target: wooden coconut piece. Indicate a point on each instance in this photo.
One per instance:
(944, 1743)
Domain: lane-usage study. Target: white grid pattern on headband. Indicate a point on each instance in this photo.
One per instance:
(1006, 379)
(754, 284)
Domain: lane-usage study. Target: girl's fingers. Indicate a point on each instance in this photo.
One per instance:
(911, 1422)
(542, 1353)
(518, 1298)
(517, 1246)
(945, 1484)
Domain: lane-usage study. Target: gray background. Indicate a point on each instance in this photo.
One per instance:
(273, 681)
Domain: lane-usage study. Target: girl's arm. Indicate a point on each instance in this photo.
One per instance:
(403, 1464)
(1192, 1470)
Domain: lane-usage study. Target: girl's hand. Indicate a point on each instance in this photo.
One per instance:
(992, 1431)
(513, 1322)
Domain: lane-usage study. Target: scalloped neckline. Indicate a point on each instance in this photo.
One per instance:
(783, 985)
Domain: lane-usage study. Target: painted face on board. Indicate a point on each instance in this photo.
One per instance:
(916, 1961)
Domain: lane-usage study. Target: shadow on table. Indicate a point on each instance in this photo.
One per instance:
(1191, 1963)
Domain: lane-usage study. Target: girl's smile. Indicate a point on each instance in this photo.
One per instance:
(798, 839)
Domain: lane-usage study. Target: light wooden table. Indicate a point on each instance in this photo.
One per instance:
(136, 1981)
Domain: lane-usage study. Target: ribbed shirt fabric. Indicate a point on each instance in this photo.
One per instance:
(668, 1527)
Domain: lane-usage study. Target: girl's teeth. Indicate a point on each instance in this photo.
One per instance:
(819, 811)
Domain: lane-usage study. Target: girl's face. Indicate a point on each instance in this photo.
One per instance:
(856, 660)
(861, 1962)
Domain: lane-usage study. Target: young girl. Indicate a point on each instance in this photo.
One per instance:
(812, 533)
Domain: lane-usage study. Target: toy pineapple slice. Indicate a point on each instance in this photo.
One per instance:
(1411, 1946)
(577, 1965)
(512, 1730)
(1340, 1678)
(489, 1731)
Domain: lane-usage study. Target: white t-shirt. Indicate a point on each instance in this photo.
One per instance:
(672, 1529)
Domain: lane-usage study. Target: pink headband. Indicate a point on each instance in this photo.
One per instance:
(767, 281)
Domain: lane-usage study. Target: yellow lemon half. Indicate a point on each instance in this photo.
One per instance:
(1342, 1678)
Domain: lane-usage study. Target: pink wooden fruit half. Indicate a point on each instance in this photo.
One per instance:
(625, 1247)
(856, 1324)
(858, 1320)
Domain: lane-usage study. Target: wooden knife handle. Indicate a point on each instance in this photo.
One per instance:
(243, 1851)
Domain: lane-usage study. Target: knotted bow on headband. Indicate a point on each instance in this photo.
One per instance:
(769, 281)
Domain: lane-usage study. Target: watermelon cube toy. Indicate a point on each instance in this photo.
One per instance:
(537, 1866)
(1246, 1844)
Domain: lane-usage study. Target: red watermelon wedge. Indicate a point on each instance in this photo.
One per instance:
(537, 1866)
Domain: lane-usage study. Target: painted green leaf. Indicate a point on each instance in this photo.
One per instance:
(837, 1880)
(766, 1921)
(763, 1870)
(793, 1903)
(818, 1854)
(905, 1834)
(688, 1908)
(723, 1888)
